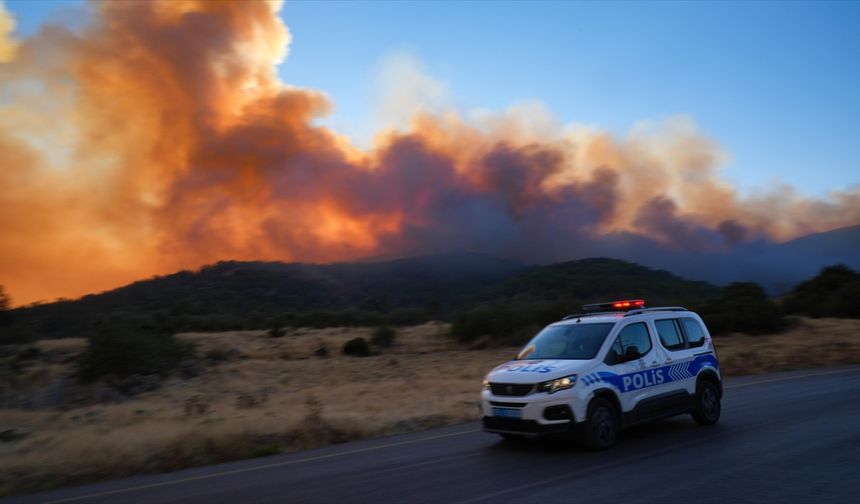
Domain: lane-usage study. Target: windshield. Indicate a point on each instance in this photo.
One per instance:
(569, 341)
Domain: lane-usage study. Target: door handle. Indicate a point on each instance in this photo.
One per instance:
(655, 364)
(668, 361)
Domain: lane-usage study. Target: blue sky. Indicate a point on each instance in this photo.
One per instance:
(776, 84)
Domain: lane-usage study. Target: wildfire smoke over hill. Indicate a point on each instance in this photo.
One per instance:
(158, 136)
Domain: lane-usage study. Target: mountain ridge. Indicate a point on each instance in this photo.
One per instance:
(234, 294)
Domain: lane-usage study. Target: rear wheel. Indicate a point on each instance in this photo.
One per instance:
(708, 407)
(601, 425)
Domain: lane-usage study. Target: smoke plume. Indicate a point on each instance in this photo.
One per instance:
(158, 136)
(7, 26)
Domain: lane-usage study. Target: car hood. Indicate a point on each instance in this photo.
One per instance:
(534, 371)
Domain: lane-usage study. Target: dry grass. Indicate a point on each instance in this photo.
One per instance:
(809, 343)
(277, 395)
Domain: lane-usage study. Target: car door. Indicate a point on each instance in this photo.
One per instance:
(631, 377)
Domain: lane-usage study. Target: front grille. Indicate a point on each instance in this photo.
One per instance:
(511, 389)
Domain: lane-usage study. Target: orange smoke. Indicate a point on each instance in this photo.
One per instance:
(159, 137)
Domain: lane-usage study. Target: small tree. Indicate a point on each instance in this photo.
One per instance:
(5, 301)
(383, 337)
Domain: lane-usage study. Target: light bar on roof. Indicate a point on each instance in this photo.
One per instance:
(624, 305)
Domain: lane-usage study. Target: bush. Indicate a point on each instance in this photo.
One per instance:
(832, 293)
(278, 332)
(357, 347)
(123, 352)
(383, 337)
(742, 307)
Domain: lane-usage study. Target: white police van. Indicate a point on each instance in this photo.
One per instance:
(592, 374)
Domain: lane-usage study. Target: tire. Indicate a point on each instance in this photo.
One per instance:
(512, 438)
(601, 425)
(708, 408)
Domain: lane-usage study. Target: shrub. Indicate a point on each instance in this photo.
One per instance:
(383, 337)
(742, 307)
(121, 352)
(357, 347)
(832, 293)
(278, 332)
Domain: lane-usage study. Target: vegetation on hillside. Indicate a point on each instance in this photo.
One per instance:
(255, 295)
(483, 298)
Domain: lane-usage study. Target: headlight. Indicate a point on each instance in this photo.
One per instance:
(557, 384)
(485, 385)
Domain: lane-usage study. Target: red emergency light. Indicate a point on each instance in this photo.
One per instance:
(625, 305)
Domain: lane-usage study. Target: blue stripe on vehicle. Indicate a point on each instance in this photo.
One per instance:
(655, 376)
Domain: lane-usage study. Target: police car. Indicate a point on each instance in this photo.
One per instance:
(592, 374)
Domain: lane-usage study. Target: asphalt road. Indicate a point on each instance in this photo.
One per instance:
(788, 437)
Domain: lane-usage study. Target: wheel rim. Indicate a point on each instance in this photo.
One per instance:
(710, 403)
(604, 427)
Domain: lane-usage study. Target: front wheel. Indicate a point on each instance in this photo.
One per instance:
(601, 425)
(708, 407)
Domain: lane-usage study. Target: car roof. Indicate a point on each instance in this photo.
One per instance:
(613, 317)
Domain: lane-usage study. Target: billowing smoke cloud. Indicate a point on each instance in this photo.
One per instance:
(7, 43)
(158, 137)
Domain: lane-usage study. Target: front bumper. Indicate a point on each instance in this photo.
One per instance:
(540, 414)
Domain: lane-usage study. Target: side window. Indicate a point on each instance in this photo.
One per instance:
(670, 334)
(634, 336)
(695, 334)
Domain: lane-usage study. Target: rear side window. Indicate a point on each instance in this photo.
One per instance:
(695, 334)
(670, 334)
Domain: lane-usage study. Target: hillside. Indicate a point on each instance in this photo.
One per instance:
(249, 295)
(589, 280)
